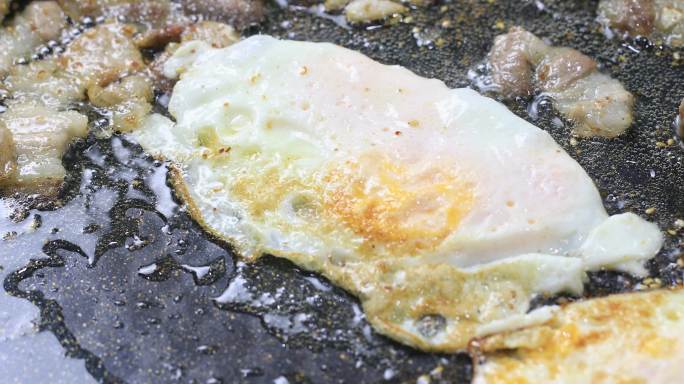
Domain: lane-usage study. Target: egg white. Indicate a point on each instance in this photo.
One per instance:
(627, 338)
(442, 210)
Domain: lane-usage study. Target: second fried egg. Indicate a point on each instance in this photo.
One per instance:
(440, 209)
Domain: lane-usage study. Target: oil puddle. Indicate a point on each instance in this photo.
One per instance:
(307, 313)
(296, 306)
(37, 238)
(29, 354)
(163, 269)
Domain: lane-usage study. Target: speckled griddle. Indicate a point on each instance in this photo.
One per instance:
(118, 216)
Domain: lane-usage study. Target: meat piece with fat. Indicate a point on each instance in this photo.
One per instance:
(215, 34)
(562, 67)
(522, 64)
(103, 54)
(218, 35)
(39, 23)
(365, 11)
(634, 16)
(513, 58)
(41, 136)
(128, 100)
(43, 82)
(597, 104)
(660, 20)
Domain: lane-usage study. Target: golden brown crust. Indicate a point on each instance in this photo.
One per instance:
(181, 190)
(639, 327)
(103, 54)
(454, 295)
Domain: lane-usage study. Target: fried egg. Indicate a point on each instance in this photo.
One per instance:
(440, 209)
(628, 338)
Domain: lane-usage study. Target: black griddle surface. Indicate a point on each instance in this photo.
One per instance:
(165, 327)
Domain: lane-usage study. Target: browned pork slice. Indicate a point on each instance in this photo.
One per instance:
(562, 67)
(128, 100)
(635, 16)
(95, 59)
(652, 18)
(218, 35)
(160, 22)
(364, 11)
(42, 92)
(513, 58)
(41, 136)
(103, 65)
(40, 22)
(597, 104)
(103, 54)
(43, 82)
(129, 10)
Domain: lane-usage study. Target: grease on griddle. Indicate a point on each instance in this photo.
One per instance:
(163, 269)
(619, 168)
